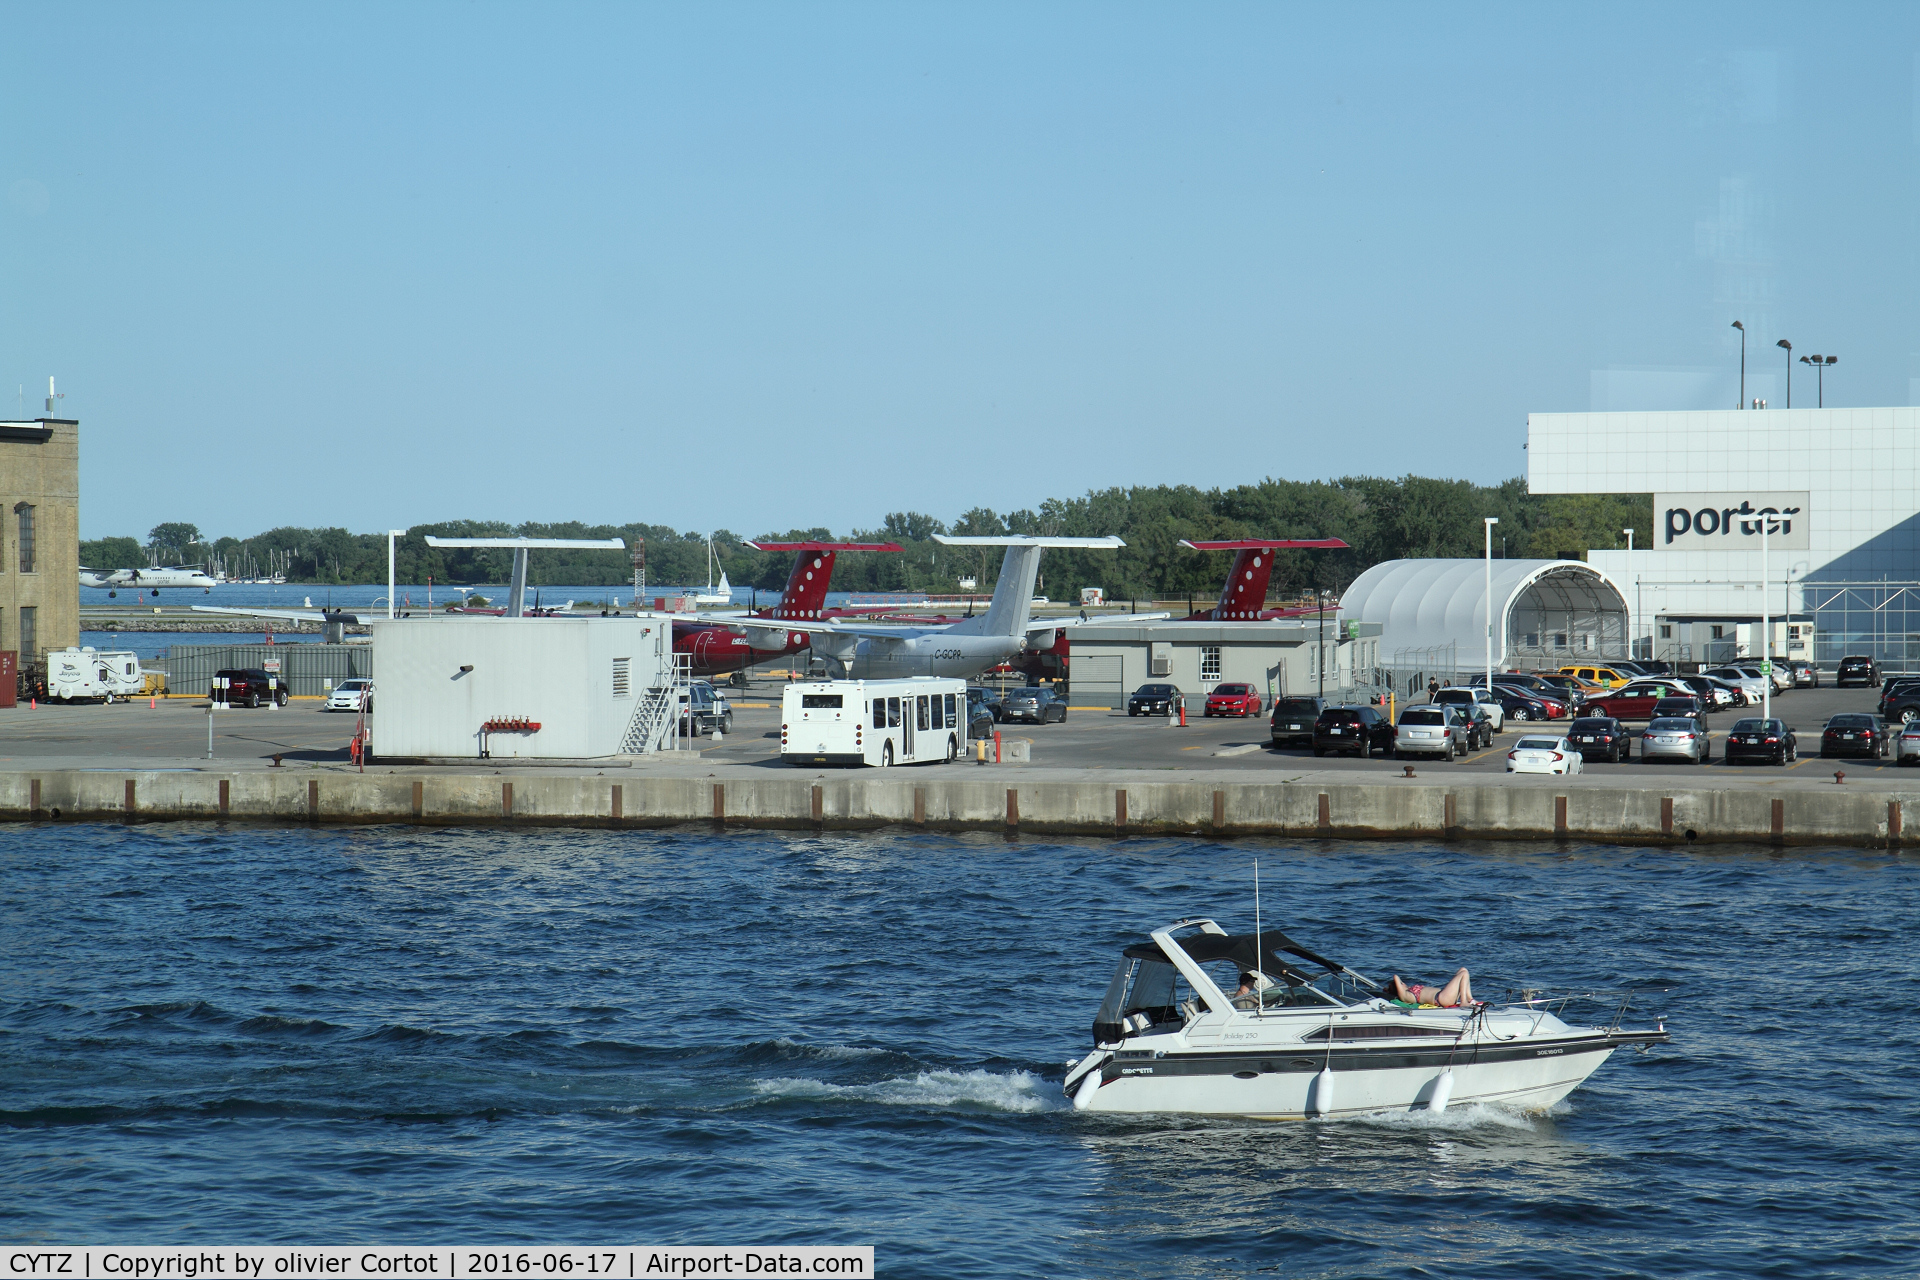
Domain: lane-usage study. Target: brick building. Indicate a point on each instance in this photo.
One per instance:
(39, 536)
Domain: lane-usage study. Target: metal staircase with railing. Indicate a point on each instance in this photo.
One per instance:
(655, 725)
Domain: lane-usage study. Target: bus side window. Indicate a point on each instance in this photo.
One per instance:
(939, 718)
(879, 713)
(920, 712)
(893, 713)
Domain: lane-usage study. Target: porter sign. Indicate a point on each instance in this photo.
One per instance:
(1730, 521)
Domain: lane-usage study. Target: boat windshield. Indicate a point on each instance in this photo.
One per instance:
(1138, 986)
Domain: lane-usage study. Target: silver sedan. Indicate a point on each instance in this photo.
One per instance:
(1676, 738)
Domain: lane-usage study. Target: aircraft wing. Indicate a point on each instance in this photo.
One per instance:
(1112, 620)
(777, 629)
(292, 615)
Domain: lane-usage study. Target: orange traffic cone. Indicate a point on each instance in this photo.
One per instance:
(151, 704)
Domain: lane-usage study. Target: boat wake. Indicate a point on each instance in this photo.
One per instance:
(1018, 1091)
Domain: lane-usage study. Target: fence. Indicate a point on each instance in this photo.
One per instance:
(305, 669)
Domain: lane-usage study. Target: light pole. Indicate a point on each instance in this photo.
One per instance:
(1788, 346)
(391, 535)
(1491, 521)
(1820, 363)
(1632, 631)
(1766, 636)
(1741, 403)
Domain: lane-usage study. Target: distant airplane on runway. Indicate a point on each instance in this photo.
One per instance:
(150, 579)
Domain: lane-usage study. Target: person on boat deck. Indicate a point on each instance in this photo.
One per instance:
(1250, 984)
(1457, 992)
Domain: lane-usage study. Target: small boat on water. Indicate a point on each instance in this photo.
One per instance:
(1292, 1044)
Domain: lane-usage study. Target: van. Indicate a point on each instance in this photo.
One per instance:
(916, 720)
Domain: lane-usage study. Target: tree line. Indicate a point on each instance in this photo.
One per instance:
(1380, 519)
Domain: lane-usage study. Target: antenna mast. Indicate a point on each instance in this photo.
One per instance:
(52, 395)
(639, 569)
(1259, 956)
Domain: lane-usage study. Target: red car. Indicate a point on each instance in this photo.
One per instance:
(1233, 700)
(1635, 700)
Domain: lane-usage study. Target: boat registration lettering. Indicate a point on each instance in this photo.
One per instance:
(1546, 1053)
(1136, 1071)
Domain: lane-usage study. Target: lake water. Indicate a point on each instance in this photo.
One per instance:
(410, 1036)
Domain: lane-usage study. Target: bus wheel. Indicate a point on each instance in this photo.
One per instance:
(886, 755)
(953, 748)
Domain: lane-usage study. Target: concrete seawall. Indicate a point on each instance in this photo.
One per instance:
(1006, 801)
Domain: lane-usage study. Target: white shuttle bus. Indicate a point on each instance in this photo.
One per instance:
(917, 720)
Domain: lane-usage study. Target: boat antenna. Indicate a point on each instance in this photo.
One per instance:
(1259, 956)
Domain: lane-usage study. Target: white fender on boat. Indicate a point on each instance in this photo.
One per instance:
(1320, 1093)
(1083, 1096)
(1442, 1091)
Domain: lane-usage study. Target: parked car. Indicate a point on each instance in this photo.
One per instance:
(1778, 672)
(1676, 737)
(250, 687)
(980, 717)
(1906, 744)
(1579, 691)
(1035, 704)
(1854, 734)
(1633, 669)
(1525, 704)
(1535, 753)
(1469, 697)
(1688, 704)
(1805, 674)
(1360, 730)
(1606, 676)
(1233, 700)
(1752, 686)
(1602, 737)
(1523, 680)
(702, 711)
(1635, 701)
(1431, 731)
(1857, 670)
(1155, 700)
(351, 695)
(1293, 720)
(1900, 701)
(1715, 693)
(1654, 667)
(1768, 741)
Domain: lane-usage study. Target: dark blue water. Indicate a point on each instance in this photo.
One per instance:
(412, 1036)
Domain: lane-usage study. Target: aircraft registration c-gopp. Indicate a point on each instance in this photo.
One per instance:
(872, 651)
(150, 579)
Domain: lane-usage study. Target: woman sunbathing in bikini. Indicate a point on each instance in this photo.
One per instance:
(1457, 992)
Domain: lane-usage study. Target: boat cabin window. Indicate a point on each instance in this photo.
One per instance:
(822, 700)
(1138, 986)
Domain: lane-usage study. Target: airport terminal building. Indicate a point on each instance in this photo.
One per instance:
(1834, 490)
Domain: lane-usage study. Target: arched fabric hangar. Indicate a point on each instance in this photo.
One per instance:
(1548, 611)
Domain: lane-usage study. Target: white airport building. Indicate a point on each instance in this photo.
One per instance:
(1834, 489)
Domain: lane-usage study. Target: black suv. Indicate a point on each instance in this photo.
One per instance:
(1857, 671)
(1154, 700)
(249, 687)
(1293, 719)
(1361, 730)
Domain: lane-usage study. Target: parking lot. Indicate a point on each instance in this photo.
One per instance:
(175, 733)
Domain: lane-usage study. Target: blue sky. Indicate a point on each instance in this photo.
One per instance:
(766, 266)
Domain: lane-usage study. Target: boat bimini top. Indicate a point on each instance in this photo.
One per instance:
(1142, 993)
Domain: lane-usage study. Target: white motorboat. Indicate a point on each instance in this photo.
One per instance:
(1168, 1038)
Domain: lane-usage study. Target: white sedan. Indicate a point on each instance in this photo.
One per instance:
(1539, 754)
(1906, 747)
(347, 695)
(1750, 683)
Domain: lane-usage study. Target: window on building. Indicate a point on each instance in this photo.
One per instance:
(29, 634)
(1719, 633)
(1666, 631)
(25, 512)
(1209, 663)
(1559, 639)
(622, 680)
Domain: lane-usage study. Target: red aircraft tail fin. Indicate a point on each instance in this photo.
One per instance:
(1244, 594)
(806, 593)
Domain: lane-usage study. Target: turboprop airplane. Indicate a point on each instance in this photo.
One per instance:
(716, 648)
(150, 579)
(869, 651)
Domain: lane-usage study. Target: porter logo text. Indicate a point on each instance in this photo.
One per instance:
(1731, 521)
